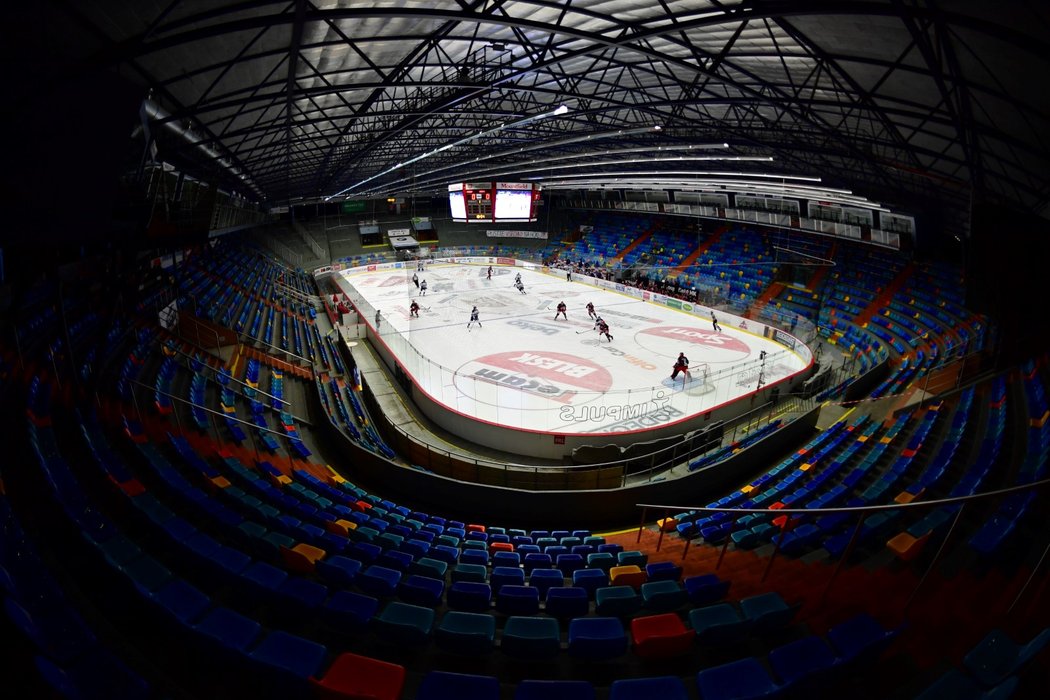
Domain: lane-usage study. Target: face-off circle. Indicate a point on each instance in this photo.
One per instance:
(554, 377)
(714, 347)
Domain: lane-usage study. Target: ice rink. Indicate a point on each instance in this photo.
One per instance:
(525, 369)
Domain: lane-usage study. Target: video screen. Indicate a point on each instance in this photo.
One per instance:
(457, 206)
(513, 205)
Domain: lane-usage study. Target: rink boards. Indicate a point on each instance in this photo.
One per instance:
(526, 382)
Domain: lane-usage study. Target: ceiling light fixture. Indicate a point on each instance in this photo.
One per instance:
(562, 109)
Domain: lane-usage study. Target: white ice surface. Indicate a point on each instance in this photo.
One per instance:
(524, 369)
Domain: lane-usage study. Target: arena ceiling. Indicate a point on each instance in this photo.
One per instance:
(904, 101)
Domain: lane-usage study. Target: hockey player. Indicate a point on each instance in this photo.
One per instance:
(413, 309)
(415, 279)
(714, 323)
(680, 365)
(423, 288)
(603, 329)
(590, 310)
(561, 310)
(519, 286)
(517, 279)
(489, 275)
(379, 319)
(474, 318)
(597, 321)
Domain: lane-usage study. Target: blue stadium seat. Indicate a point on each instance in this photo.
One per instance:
(663, 571)
(590, 580)
(746, 678)
(291, 656)
(466, 633)
(544, 579)
(617, 601)
(767, 611)
(469, 596)
(554, 690)
(351, 610)
(861, 637)
(567, 602)
(379, 581)
(230, 630)
(444, 685)
(528, 637)
(957, 685)
(662, 687)
(803, 664)
(719, 625)
(506, 576)
(597, 638)
(705, 589)
(663, 596)
(404, 624)
(997, 656)
(338, 569)
(518, 600)
(421, 590)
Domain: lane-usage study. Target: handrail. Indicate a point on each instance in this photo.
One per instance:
(734, 422)
(246, 339)
(298, 295)
(198, 324)
(214, 424)
(551, 471)
(211, 410)
(856, 509)
(245, 384)
(862, 515)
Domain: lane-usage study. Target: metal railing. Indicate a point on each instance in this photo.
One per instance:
(246, 339)
(862, 513)
(612, 474)
(198, 333)
(213, 424)
(290, 256)
(233, 378)
(290, 291)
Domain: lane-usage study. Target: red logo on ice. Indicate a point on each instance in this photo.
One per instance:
(554, 367)
(698, 336)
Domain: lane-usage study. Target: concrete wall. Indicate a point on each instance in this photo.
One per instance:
(586, 508)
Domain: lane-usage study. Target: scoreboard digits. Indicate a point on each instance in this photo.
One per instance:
(479, 200)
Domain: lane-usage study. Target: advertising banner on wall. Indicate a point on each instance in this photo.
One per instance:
(492, 233)
(783, 338)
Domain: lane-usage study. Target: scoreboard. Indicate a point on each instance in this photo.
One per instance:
(490, 202)
(478, 197)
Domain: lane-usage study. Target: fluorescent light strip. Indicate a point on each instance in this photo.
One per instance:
(657, 174)
(555, 113)
(539, 146)
(516, 170)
